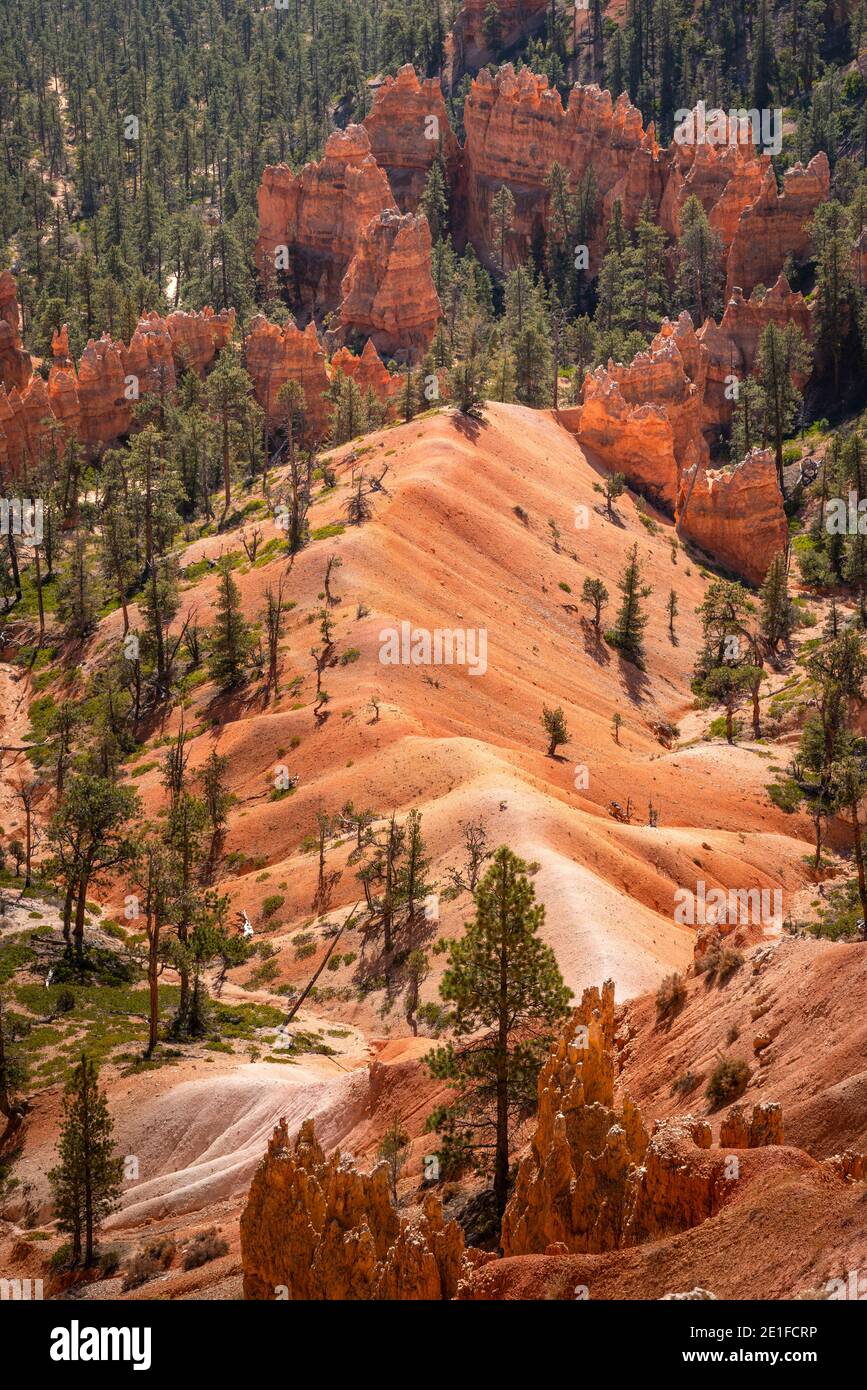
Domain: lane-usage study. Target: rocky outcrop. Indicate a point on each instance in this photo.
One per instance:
(736, 514)
(24, 425)
(763, 1127)
(15, 366)
(388, 291)
(652, 444)
(593, 1181)
(149, 358)
(774, 226)
(732, 345)
(369, 371)
(315, 1228)
(570, 1189)
(197, 338)
(106, 409)
(314, 219)
(278, 353)
(408, 127)
(517, 127)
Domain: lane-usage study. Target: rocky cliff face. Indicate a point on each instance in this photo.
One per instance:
(318, 215)
(774, 225)
(15, 365)
(516, 128)
(95, 398)
(736, 514)
(732, 345)
(644, 419)
(593, 1180)
(408, 127)
(276, 354)
(388, 290)
(315, 1228)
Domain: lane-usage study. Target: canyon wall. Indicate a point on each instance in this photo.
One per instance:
(318, 216)
(774, 225)
(408, 128)
(467, 46)
(517, 127)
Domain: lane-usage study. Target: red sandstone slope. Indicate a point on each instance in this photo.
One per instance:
(461, 539)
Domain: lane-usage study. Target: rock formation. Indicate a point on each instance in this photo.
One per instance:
(774, 225)
(315, 1228)
(516, 128)
(94, 400)
(764, 1126)
(732, 345)
(736, 514)
(197, 338)
(276, 354)
(369, 371)
(593, 1181)
(408, 128)
(149, 357)
(318, 216)
(388, 290)
(15, 365)
(644, 419)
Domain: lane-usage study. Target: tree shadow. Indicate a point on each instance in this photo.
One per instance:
(468, 425)
(635, 680)
(594, 643)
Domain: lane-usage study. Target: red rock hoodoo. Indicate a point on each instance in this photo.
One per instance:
(388, 290)
(315, 1228)
(318, 216)
(15, 365)
(408, 128)
(276, 354)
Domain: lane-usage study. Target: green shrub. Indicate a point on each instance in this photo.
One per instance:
(728, 1080)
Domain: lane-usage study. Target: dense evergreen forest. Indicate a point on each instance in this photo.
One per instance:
(134, 134)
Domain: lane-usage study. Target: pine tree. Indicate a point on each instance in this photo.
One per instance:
(699, 263)
(595, 594)
(503, 216)
(783, 357)
(555, 726)
(86, 1183)
(507, 994)
(777, 612)
(231, 639)
(434, 201)
(627, 635)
